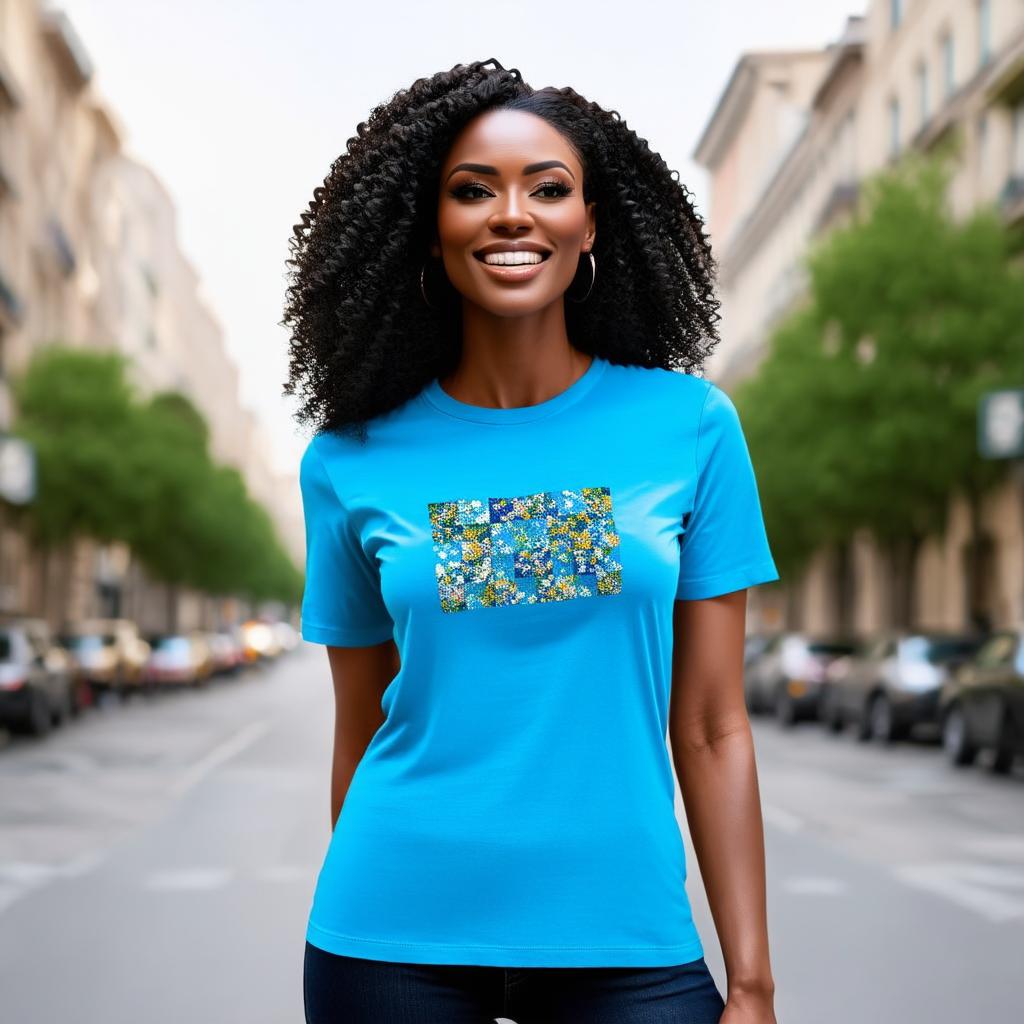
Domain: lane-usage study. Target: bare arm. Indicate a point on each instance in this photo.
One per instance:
(713, 752)
(360, 676)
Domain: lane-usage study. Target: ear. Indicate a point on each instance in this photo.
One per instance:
(588, 240)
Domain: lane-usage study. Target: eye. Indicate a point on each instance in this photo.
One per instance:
(475, 190)
(561, 189)
(465, 191)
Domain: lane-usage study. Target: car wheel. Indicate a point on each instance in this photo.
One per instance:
(63, 710)
(785, 708)
(1002, 760)
(863, 731)
(40, 717)
(955, 739)
(882, 720)
(753, 704)
(831, 712)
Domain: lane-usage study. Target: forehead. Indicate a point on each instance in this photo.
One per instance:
(509, 139)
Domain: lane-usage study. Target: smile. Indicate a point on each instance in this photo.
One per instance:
(521, 265)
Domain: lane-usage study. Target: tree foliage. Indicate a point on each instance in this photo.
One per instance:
(117, 468)
(863, 412)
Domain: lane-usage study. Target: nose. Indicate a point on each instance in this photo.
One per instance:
(511, 213)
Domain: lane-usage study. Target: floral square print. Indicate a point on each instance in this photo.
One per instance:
(548, 546)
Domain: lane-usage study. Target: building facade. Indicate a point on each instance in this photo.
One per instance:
(787, 147)
(90, 256)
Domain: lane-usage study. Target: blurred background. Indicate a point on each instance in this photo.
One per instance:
(165, 736)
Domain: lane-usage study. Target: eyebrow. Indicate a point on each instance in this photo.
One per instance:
(543, 165)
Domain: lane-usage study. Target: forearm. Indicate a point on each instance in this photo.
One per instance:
(351, 739)
(718, 783)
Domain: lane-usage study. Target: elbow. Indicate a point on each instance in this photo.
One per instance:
(701, 734)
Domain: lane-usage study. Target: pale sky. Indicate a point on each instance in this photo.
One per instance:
(240, 107)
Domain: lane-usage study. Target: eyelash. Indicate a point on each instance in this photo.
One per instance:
(561, 187)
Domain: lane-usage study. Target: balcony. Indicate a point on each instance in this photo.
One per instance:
(1008, 86)
(7, 189)
(68, 52)
(12, 310)
(1011, 199)
(60, 247)
(9, 91)
(842, 197)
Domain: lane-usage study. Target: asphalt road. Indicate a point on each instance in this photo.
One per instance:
(157, 861)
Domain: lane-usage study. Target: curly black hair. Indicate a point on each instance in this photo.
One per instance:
(363, 341)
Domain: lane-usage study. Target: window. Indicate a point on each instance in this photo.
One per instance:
(1017, 143)
(998, 651)
(922, 93)
(894, 126)
(984, 31)
(948, 70)
(895, 13)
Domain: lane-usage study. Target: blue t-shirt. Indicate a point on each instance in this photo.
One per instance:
(516, 807)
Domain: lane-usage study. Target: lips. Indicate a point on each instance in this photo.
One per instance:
(494, 247)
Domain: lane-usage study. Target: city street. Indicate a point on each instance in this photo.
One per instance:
(157, 860)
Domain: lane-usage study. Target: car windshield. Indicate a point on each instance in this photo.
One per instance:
(174, 644)
(5, 646)
(829, 647)
(937, 649)
(998, 650)
(89, 641)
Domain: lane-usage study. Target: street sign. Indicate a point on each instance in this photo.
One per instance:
(1001, 424)
(17, 470)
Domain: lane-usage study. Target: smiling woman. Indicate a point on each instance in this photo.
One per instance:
(510, 493)
(387, 287)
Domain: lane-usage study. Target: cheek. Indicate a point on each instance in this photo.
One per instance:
(457, 225)
(568, 224)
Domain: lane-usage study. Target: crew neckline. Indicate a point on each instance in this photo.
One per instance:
(442, 401)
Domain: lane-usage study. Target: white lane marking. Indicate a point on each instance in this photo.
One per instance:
(781, 819)
(10, 894)
(19, 878)
(815, 886)
(284, 873)
(189, 879)
(1009, 848)
(21, 872)
(232, 746)
(984, 888)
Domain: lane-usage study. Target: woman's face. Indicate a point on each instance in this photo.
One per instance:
(511, 180)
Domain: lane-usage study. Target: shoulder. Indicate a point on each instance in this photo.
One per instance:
(671, 398)
(670, 390)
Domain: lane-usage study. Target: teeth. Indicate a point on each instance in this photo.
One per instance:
(511, 259)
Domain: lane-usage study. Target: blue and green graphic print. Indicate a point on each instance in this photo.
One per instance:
(547, 546)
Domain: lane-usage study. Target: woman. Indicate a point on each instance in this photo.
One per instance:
(528, 543)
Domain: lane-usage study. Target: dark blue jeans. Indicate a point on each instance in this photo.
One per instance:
(351, 990)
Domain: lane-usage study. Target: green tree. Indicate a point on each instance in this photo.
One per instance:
(114, 468)
(863, 413)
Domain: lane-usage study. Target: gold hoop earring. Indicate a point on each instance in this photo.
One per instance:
(423, 290)
(593, 278)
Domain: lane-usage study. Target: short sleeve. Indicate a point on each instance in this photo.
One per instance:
(341, 603)
(724, 546)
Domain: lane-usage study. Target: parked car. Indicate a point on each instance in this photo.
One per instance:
(259, 640)
(108, 653)
(981, 706)
(178, 658)
(786, 679)
(754, 645)
(890, 685)
(36, 681)
(286, 635)
(226, 650)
